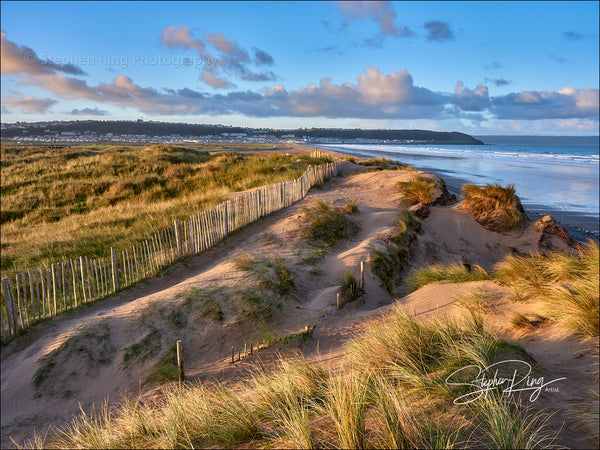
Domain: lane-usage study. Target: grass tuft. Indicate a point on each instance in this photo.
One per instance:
(453, 273)
(417, 191)
(495, 207)
(326, 226)
(567, 283)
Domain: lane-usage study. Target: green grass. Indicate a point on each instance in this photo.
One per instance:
(349, 288)
(453, 273)
(146, 348)
(526, 322)
(325, 225)
(257, 306)
(81, 201)
(204, 302)
(272, 273)
(90, 344)
(567, 283)
(389, 261)
(417, 191)
(385, 164)
(164, 369)
(495, 207)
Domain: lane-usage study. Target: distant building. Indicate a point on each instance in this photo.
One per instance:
(68, 133)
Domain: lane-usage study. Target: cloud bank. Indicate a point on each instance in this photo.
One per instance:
(373, 94)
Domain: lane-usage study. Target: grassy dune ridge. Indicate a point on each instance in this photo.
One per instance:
(390, 393)
(69, 202)
(568, 284)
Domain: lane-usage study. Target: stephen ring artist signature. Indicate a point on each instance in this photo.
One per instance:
(492, 377)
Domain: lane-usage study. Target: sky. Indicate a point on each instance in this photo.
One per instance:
(483, 68)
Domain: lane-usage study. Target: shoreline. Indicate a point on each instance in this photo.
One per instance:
(580, 227)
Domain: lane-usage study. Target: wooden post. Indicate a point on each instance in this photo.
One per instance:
(113, 260)
(33, 305)
(43, 298)
(37, 289)
(85, 298)
(25, 298)
(69, 285)
(125, 282)
(245, 350)
(89, 278)
(339, 301)
(226, 217)
(232, 354)
(1, 324)
(362, 275)
(251, 348)
(19, 302)
(63, 283)
(180, 363)
(9, 303)
(177, 237)
(74, 273)
(54, 288)
(13, 306)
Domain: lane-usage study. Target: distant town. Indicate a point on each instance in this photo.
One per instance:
(153, 132)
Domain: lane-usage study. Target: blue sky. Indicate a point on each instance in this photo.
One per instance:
(475, 67)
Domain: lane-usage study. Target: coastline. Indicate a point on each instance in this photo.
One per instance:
(579, 226)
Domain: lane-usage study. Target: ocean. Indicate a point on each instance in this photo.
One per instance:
(551, 176)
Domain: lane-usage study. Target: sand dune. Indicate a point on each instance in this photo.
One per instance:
(448, 234)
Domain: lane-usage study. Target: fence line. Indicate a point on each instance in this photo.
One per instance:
(50, 289)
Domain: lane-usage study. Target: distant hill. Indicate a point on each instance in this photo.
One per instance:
(186, 129)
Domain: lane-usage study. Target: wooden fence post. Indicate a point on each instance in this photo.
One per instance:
(85, 297)
(362, 275)
(180, 363)
(339, 301)
(177, 237)
(226, 217)
(9, 303)
(114, 262)
(54, 288)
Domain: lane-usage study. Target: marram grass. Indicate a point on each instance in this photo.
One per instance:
(494, 207)
(389, 393)
(453, 273)
(567, 283)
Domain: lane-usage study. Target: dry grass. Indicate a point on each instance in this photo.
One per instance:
(453, 273)
(391, 393)
(417, 191)
(495, 207)
(568, 284)
(70, 202)
(327, 225)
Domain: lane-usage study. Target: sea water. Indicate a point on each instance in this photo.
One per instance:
(549, 177)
